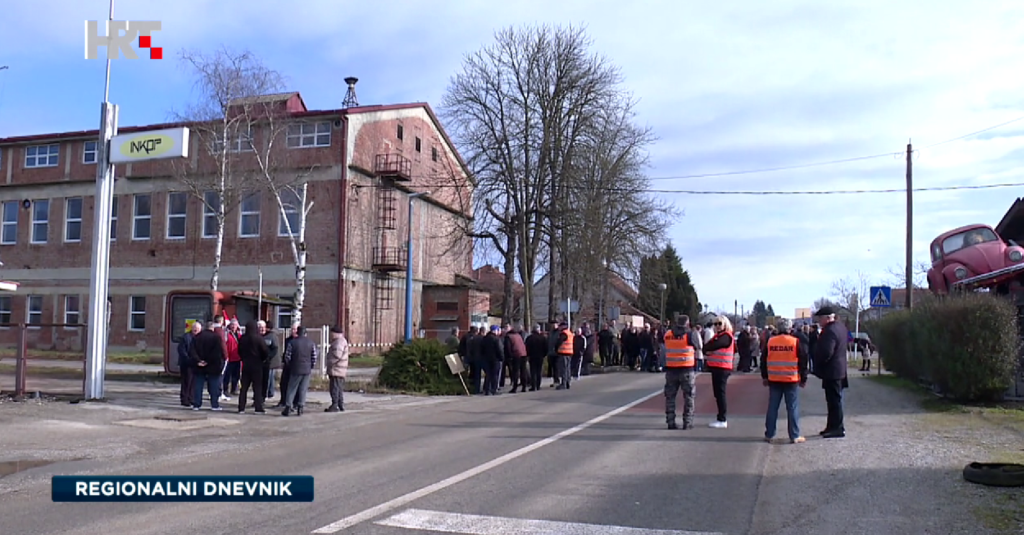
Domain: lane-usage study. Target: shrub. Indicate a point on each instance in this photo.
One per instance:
(419, 367)
(966, 345)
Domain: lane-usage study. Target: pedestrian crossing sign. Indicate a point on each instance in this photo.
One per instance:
(881, 296)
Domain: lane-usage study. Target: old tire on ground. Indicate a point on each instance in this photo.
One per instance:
(995, 474)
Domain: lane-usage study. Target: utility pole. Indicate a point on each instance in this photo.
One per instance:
(909, 283)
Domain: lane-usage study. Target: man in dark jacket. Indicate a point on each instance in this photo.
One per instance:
(491, 355)
(536, 350)
(474, 359)
(553, 354)
(515, 354)
(589, 349)
(255, 355)
(208, 356)
(185, 367)
(745, 345)
(299, 359)
(283, 386)
(605, 343)
(273, 360)
(830, 367)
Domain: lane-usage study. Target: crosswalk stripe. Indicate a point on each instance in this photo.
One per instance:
(420, 519)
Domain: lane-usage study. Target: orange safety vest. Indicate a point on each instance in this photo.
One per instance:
(721, 358)
(566, 348)
(678, 351)
(782, 362)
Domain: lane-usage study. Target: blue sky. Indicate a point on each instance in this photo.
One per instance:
(726, 86)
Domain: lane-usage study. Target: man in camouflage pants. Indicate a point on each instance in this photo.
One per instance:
(680, 371)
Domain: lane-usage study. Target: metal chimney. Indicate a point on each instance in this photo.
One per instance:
(350, 97)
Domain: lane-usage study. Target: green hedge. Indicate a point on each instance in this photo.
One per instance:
(419, 367)
(967, 345)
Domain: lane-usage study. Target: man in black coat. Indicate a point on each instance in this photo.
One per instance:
(492, 355)
(273, 360)
(473, 359)
(185, 368)
(207, 356)
(830, 367)
(255, 355)
(536, 351)
(299, 360)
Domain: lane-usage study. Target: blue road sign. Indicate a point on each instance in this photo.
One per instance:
(881, 296)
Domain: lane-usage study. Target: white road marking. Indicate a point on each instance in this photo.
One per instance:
(401, 501)
(493, 525)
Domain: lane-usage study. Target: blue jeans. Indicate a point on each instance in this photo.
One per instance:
(212, 385)
(776, 391)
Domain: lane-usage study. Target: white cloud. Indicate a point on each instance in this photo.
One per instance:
(737, 85)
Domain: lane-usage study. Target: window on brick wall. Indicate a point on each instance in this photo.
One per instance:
(177, 211)
(419, 145)
(433, 153)
(211, 203)
(5, 309)
(137, 313)
(9, 226)
(401, 132)
(42, 155)
(303, 135)
(113, 220)
(284, 314)
(72, 310)
(34, 310)
(249, 216)
(142, 217)
(89, 153)
(290, 220)
(447, 306)
(73, 219)
(40, 220)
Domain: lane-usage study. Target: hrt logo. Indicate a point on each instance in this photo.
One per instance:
(117, 43)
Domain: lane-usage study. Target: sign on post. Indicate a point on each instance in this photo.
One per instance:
(881, 296)
(456, 367)
(152, 145)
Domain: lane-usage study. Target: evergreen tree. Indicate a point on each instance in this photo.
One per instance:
(771, 312)
(760, 313)
(680, 296)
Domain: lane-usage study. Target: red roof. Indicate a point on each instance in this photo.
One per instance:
(492, 279)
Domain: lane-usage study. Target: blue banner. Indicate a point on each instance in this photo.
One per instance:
(182, 488)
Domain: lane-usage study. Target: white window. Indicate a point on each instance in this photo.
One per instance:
(137, 316)
(249, 216)
(284, 314)
(40, 221)
(113, 219)
(73, 219)
(34, 310)
(238, 142)
(5, 310)
(290, 220)
(303, 135)
(89, 153)
(211, 203)
(142, 217)
(177, 208)
(72, 310)
(42, 155)
(9, 226)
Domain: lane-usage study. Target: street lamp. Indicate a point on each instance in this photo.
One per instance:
(408, 270)
(663, 287)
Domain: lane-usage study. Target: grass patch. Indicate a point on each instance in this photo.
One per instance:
(120, 357)
(1004, 511)
(365, 361)
(136, 358)
(69, 374)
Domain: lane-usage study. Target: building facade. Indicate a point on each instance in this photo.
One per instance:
(361, 164)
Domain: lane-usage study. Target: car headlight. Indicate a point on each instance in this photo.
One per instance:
(1016, 256)
(960, 273)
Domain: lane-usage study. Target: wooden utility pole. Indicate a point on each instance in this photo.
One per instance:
(909, 284)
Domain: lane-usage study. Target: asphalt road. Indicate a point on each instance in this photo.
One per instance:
(577, 461)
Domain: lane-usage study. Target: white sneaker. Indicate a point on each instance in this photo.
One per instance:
(224, 398)
(718, 425)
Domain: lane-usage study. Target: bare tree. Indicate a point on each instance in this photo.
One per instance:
(518, 111)
(897, 275)
(226, 82)
(851, 293)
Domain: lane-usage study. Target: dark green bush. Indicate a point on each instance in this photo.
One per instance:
(966, 345)
(419, 367)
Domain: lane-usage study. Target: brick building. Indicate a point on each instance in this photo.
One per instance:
(360, 164)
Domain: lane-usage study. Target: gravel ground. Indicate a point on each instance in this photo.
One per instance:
(898, 471)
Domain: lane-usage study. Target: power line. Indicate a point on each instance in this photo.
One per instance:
(972, 134)
(784, 168)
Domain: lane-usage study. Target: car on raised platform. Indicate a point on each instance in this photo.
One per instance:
(973, 256)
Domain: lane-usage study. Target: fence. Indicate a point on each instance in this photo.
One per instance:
(47, 358)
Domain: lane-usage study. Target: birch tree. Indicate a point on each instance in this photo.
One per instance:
(225, 84)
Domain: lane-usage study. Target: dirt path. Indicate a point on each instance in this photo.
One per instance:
(898, 471)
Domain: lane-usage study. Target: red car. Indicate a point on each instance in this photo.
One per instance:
(972, 257)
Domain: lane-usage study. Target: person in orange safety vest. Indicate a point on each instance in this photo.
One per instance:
(564, 353)
(719, 355)
(680, 371)
(784, 372)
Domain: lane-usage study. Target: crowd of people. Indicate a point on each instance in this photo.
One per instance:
(226, 359)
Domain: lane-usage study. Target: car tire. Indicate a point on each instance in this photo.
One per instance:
(995, 474)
